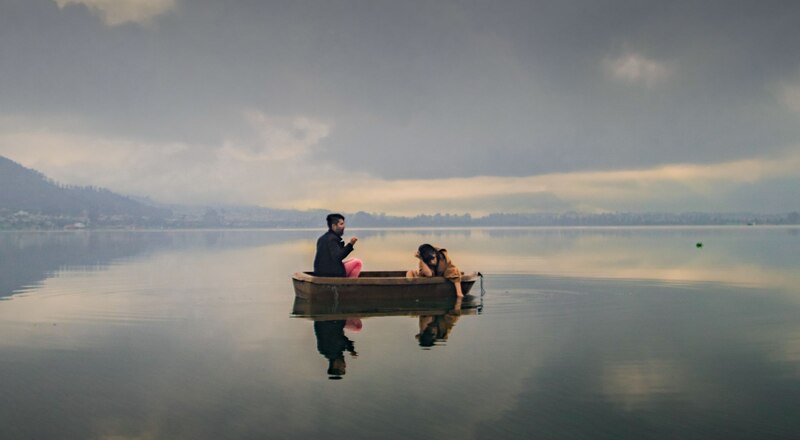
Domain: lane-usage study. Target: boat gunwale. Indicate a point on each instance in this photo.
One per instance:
(468, 277)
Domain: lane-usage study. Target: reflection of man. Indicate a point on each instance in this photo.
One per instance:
(331, 252)
(331, 343)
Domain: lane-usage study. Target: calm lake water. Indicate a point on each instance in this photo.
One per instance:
(617, 333)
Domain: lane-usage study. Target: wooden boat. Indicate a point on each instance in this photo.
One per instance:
(384, 284)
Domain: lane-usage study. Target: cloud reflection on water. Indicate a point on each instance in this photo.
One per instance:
(609, 333)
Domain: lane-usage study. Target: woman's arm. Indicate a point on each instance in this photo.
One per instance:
(457, 283)
(453, 274)
(424, 270)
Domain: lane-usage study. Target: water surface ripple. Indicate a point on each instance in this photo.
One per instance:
(616, 333)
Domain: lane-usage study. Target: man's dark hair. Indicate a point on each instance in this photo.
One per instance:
(332, 219)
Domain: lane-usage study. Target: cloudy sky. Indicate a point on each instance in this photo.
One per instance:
(411, 106)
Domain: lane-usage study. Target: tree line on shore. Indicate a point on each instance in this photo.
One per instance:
(30, 200)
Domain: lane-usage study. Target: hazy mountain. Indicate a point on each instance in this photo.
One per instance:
(29, 200)
(24, 189)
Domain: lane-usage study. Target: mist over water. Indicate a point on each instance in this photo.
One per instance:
(582, 333)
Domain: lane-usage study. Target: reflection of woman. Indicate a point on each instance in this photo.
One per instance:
(331, 343)
(435, 262)
(434, 328)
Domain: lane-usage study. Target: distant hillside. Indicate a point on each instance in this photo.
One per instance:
(29, 200)
(24, 189)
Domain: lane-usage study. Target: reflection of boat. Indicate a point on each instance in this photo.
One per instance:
(331, 308)
(385, 285)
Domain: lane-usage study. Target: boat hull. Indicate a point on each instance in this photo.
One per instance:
(386, 285)
(329, 309)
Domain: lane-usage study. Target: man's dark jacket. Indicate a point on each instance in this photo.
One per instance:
(331, 250)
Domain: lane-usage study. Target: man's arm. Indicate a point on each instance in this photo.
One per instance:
(337, 251)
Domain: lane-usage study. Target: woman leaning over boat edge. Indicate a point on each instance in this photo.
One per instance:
(435, 262)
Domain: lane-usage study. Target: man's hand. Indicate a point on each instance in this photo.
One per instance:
(353, 240)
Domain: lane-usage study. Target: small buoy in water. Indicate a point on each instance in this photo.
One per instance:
(699, 244)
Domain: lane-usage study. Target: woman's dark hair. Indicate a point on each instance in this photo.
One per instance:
(432, 333)
(332, 219)
(426, 252)
(427, 338)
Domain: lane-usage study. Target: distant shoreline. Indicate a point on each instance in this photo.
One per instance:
(410, 228)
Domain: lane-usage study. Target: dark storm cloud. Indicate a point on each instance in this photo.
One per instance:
(423, 89)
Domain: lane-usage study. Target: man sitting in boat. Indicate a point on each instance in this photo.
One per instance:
(331, 252)
(434, 262)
